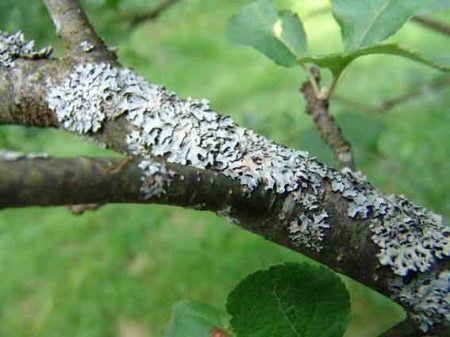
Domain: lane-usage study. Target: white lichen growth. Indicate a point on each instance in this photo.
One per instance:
(86, 46)
(427, 297)
(14, 46)
(155, 179)
(83, 100)
(7, 155)
(410, 238)
(309, 230)
(189, 132)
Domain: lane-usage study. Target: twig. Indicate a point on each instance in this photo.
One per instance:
(137, 18)
(76, 32)
(435, 85)
(318, 108)
(435, 25)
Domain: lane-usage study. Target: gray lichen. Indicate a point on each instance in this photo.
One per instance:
(156, 179)
(86, 46)
(410, 238)
(427, 297)
(189, 132)
(82, 101)
(14, 46)
(7, 155)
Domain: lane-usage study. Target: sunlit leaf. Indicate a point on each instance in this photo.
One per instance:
(280, 36)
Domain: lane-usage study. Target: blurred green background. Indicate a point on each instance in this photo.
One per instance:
(117, 271)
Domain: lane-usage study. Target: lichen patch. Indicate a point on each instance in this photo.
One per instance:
(14, 46)
(427, 297)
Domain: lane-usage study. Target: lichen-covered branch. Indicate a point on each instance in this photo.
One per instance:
(77, 33)
(325, 123)
(188, 155)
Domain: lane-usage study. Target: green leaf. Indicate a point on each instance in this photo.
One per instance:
(196, 319)
(367, 22)
(280, 36)
(290, 300)
(337, 62)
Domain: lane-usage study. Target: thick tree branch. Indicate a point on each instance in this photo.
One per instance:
(188, 155)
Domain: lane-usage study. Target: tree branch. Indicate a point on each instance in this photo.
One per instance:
(136, 19)
(76, 32)
(435, 25)
(325, 123)
(435, 85)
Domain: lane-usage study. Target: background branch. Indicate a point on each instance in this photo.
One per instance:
(435, 25)
(136, 19)
(435, 85)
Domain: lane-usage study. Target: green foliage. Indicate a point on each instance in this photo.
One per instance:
(365, 23)
(195, 319)
(280, 36)
(290, 300)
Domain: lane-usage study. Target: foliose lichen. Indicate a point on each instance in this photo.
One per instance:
(86, 46)
(14, 46)
(7, 155)
(189, 132)
(155, 180)
(427, 297)
(84, 99)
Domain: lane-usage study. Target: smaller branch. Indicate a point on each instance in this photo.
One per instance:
(73, 27)
(403, 329)
(435, 85)
(432, 24)
(318, 108)
(137, 18)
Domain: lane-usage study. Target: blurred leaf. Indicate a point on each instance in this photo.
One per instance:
(364, 23)
(111, 3)
(280, 36)
(290, 300)
(338, 61)
(196, 319)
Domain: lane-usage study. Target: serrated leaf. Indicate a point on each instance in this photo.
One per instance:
(290, 300)
(365, 23)
(280, 36)
(196, 319)
(337, 62)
